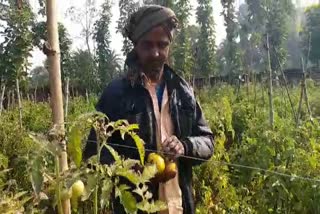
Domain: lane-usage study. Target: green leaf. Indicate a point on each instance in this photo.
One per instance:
(120, 123)
(140, 145)
(106, 190)
(36, 174)
(74, 145)
(128, 201)
(152, 207)
(149, 172)
(122, 133)
(130, 175)
(132, 127)
(90, 187)
(113, 152)
(44, 144)
(129, 163)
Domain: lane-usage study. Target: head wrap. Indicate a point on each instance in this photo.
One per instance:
(148, 17)
(140, 23)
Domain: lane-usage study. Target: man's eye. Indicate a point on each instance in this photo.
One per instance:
(146, 45)
(163, 45)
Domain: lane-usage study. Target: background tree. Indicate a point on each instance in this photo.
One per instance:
(105, 56)
(182, 59)
(86, 17)
(126, 7)
(166, 3)
(39, 77)
(83, 73)
(271, 17)
(40, 36)
(311, 34)
(233, 54)
(17, 44)
(205, 55)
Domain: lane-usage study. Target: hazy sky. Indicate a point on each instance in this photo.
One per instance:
(116, 38)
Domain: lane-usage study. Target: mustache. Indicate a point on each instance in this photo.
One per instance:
(154, 63)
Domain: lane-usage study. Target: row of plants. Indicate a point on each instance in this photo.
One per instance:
(255, 168)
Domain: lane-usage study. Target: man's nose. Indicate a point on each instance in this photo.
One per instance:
(155, 52)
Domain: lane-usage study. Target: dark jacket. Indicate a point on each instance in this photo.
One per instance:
(122, 100)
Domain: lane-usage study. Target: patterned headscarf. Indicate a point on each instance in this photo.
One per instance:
(148, 17)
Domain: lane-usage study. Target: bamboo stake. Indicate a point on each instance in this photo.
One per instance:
(19, 102)
(270, 93)
(55, 85)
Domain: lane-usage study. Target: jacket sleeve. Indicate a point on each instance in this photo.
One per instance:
(199, 146)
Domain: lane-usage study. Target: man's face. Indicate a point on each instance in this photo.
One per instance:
(153, 51)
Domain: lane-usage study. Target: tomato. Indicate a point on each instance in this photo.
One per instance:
(170, 170)
(158, 161)
(77, 189)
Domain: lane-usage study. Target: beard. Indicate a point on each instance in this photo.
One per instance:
(153, 69)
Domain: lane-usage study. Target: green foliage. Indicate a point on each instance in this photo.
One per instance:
(126, 7)
(183, 60)
(311, 34)
(206, 41)
(17, 44)
(271, 18)
(222, 185)
(83, 71)
(107, 60)
(226, 184)
(40, 36)
(232, 52)
(166, 3)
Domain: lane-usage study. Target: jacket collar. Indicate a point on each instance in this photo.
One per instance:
(170, 77)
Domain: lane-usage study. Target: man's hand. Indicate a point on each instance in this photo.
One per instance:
(172, 145)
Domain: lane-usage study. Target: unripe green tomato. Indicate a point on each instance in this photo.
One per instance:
(77, 189)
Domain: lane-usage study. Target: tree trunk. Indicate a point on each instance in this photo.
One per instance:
(55, 86)
(66, 98)
(3, 89)
(87, 96)
(8, 99)
(255, 92)
(19, 102)
(248, 91)
(270, 92)
(13, 101)
(35, 94)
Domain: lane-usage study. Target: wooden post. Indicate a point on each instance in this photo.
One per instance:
(3, 89)
(35, 94)
(305, 92)
(270, 92)
(87, 96)
(19, 101)
(53, 54)
(300, 104)
(66, 99)
(8, 99)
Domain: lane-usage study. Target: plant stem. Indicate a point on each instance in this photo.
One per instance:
(60, 210)
(98, 175)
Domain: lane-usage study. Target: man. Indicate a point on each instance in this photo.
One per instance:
(163, 105)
